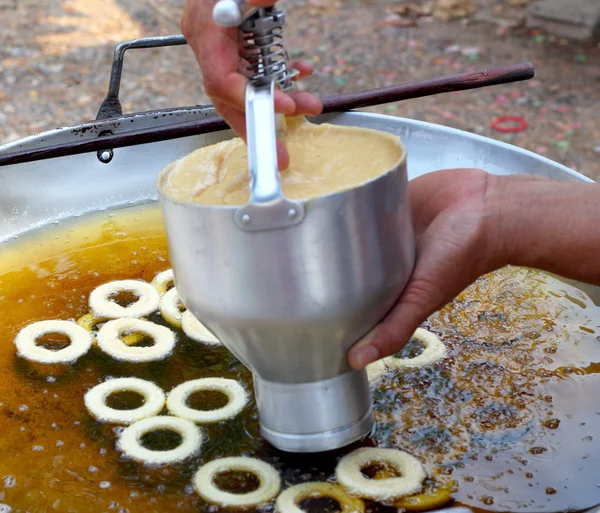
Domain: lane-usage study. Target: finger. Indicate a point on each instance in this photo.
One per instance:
(397, 328)
(261, 3)
(234, 118)
(283, 156)
(284, 103)
(423, 296)
(305, 69)
(306, 104)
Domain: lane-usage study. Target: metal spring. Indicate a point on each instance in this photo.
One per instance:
(266, 56)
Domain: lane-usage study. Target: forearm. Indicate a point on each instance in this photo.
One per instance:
(546, 224)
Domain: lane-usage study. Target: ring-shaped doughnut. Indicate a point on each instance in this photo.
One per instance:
(89, 322)
(235, 393)
(169, 307)
(195, 330)
(25, 341)
(109, 340)
(129, 442)
(432, 496)
(434, 350)
(289, 500)
(376, 370)
(162, 281)
(102, 306)
(95, 400)
(348, 474)
(270, 482)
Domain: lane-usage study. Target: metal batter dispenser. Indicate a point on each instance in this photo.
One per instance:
(290, 286)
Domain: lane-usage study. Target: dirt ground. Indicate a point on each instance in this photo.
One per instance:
(55, 59)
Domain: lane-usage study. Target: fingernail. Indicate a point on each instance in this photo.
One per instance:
(366, 355)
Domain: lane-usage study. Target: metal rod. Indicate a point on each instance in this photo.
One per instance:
(337, 103)
(111, 106)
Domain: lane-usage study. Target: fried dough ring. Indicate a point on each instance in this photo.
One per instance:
(238, 398)
(129, 442)
(25, 341)
(109, 340)
(169, 307)
(102, 306)
(434, 350)
(162, 281)
(433, 496)
(270, 482)
(195, 330)
(376, 370)
(89, 321)
(95, 400)
(289, 500)
(348, 474)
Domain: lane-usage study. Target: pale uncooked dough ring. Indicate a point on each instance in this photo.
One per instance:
(129, 442)
(102, 306)
(238, 398)
(376, 370)
(194, 329)
(162, 281)
(289, 500)
(109, 340)
(348, 474)
(169, 307)
(95, 400)
(25, 341)
(434, 350)
(270, 482)
(89, 322)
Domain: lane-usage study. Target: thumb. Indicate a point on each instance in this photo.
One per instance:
(428, 290)
(416, 304)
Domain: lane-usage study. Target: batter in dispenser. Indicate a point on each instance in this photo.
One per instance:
(324, 159)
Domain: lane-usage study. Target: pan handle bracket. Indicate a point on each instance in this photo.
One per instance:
(111, 106)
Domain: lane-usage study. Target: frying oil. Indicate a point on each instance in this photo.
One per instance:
(490, 422)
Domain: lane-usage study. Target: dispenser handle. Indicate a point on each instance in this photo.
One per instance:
(232, 13)
(262, 150)
(268, 208)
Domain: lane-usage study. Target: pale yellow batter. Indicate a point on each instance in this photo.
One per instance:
(323, 159)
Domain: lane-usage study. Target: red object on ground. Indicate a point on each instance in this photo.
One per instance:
(498, 124)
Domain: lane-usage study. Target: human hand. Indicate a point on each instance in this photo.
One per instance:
(217, 52)
(455, 232)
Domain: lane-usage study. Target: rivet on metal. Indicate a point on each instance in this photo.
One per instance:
(105, 156)
(245, 219)
(292, 212)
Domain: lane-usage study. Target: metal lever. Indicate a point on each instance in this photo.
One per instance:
(268, 208)
(232, 13)
(262, 152)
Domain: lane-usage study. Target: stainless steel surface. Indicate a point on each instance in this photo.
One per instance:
(308, 417)
(289, 302)
(232, 13)
(268, 209)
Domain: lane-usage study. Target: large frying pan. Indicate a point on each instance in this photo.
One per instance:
(35, 193)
